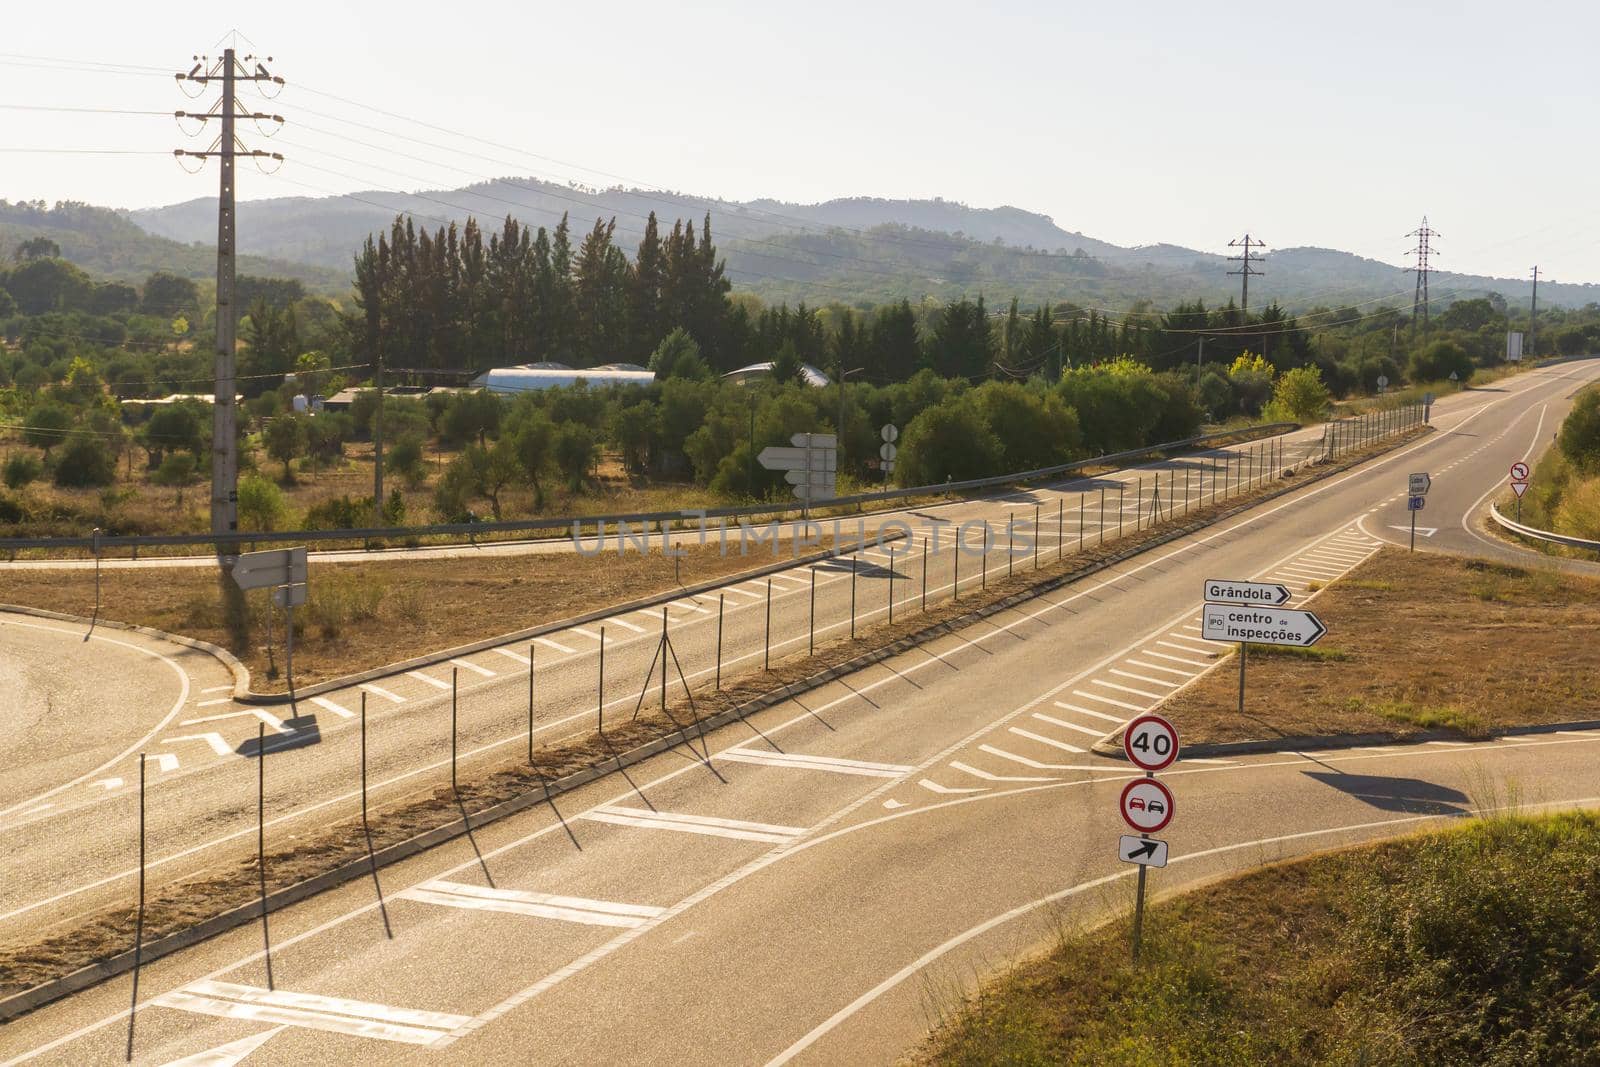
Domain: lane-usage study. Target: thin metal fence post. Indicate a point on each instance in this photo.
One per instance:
(600, 685)
(663, 659)
(811, 627)
(891, 588)
(924, 575)
(1186, 471)
(454, 673)
(766, 639)
(720, 597)
(1011, 540)
(1100, 536)
(1121, 489)
(261, 840)
(853, 598)
(530, 703)
(1036, 537)
(364, 760)
(1138, 514)
(955, 586)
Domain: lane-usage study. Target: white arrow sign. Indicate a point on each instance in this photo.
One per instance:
(1418, 485)
(780, 458)
(1263, 626)
(812, 493)
(817, 440)
(1223, 591)
(1146, 851)
(803, 477)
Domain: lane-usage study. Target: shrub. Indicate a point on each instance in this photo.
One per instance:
(1439, 360)
(21, 469)
(1580, 432)
(340, 513)
(177, 471)
(45, 426)
(261, 503)
(405, 458)
(575, 452)
(85, 461)
(1300, 396)
(948, 441)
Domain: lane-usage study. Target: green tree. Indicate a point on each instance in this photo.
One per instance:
(1439, 360)
(85, 460)
(46, 425)
(1579, 437)
(167, 296)
(471, 416)
(173, 427)
(177, 472)
(962, 345)
(40, 247)
(1300, 396)
(575, 452)
(493, 469)
(261, 503)
(532, 439)
(22, 468)
(786, 364)
(285, 438)
(405, 458)
(950, 441)
(677, 356)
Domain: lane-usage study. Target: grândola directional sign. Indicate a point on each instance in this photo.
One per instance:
(1145, 851)
(1262, 626)
(1223, 591)
(1418, 485)
(811, 464)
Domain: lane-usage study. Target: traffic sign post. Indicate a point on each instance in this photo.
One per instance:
(1146, 806)
(1145, 851)
(1417, 490)
(1150, 743)
(1519, 484)
(811, 465)
(887, 451)
(1234, 619)
(283, 570)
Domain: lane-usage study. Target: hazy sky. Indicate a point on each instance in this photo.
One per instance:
(1337, 125)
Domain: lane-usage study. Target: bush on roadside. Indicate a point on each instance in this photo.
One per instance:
(1299, 396)
(85, 461)
(22, 468)
(261, 503)
(1580, 432)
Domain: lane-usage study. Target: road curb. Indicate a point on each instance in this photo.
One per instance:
(37, 996)
(241, 673)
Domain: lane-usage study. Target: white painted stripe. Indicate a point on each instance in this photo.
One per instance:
(257, 713)
(508, 654)
(986, 776)
(1043, 740)
(166, 761)
(695, 824)
(794, 579)
(689, 605)
(1118, 719)
(214, 703)
(352, 1017)
(1144, 678)
(1451, 744)
(547, 643)
(742, 592)
(471, 666)
(618, 620)
(218, 745)
(419, 676)
(324, 702)
(218, 689)
(1158, 667)
(1035, 765)
(815, 763)
(1194, 644)
(1107, 700)
(382, 693)
(108, 784)
(228, 1054)
(935, 787)
(539, 905)
(1192, 626)
(1176, 659)
(1042, 717)
(1126, 689)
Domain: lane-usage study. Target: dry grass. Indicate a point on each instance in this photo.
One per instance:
(1418, 642)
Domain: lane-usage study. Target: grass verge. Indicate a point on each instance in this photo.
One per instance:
(1478, 944)
(1417, 642)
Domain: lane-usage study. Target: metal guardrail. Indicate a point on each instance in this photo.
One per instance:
(470, 530)
(1540, 535)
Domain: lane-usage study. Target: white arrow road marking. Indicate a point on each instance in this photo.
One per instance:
(383, 693)
(937, 788)
(354, 1017)
(1425, 531)
(166, 761)
(540, 905)
(695, 824)
(342, 712)
(227, 1055)
(218, 745)
(816, 763)
(419, 676)
(108, 784)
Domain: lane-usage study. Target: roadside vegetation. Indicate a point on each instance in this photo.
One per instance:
(1417, 642)
(1473, 945)
(1564, 492)
(104, 422)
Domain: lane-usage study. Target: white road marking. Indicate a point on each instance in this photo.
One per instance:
(342, 712)
(1185, 648)
(1126, 689)
(1043, 740)
(508, 654)
(695, 824)
(1041, 716)
(218, 689)
(525, 902)
(419, 676)
(740, 592)
(1034, 764)
(1118, 719)
(383, 693)
(218, 745)
(312, 1011)
(1144, 678)
(986, 776)
(1159, 667)
(689, 605)
(815, 763)
(547, 643)
(108, 784)
(1107, 700)
(580, 631)
(935, 787)
(213, 703)
(618, 620)
(892, 804)
(471, 666)
(256, 713)
(166, 761)
(1177, 659)
(229, 1054)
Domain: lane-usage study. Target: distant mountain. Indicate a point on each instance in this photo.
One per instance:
(107, 244)
(859, 250)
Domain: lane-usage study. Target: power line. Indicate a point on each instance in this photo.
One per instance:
(1245, 271)
(1419, 300)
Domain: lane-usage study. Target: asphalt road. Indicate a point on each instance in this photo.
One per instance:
(71, 844)
(834, 865)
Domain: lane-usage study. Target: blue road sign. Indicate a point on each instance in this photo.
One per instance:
(1417, 502)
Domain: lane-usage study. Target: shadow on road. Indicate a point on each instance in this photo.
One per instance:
(1410, 796)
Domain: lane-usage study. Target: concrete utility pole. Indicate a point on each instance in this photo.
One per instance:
(228, 70)
(1245, 270)
(1419, 301)
(1533, 316)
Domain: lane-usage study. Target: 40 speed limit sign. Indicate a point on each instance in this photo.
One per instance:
(1150, 743)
